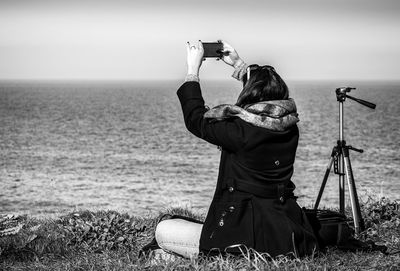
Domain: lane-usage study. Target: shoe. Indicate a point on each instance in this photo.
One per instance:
(145, 250)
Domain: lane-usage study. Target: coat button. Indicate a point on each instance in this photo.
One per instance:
(231, 189)
(231, 209)
(221, 223)
(282, 199)
(277, 162)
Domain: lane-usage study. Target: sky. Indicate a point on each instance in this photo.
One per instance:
(130, 40)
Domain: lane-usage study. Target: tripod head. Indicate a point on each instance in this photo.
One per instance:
(341, 97)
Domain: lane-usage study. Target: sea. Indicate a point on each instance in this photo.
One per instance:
(123, 145)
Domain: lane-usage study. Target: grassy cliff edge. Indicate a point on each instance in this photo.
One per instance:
(108, 240)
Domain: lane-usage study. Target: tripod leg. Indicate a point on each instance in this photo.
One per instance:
(355, 205)
(328, 170)
(341, 182)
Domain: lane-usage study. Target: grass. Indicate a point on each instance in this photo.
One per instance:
(108, 240)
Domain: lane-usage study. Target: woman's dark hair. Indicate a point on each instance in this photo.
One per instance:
(264, 85)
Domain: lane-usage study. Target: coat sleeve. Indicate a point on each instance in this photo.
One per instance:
(229, 134)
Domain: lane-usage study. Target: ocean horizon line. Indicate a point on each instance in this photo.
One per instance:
(182, 79)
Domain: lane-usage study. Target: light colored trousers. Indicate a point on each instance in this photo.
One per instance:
(179, 236)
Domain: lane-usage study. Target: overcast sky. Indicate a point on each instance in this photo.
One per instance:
(137, 39)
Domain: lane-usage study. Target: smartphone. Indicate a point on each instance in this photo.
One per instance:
(213, 49)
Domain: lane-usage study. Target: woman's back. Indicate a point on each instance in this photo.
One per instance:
(268, 156)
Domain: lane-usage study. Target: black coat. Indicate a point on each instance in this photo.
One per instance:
(253, 204)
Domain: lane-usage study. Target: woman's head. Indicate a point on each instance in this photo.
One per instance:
(264, 85)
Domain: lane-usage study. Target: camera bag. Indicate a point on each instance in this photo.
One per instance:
(330, 227)
(333, 229)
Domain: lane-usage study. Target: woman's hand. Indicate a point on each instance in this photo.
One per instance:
(230, 56)
(194, 57)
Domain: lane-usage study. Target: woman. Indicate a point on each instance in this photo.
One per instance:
(253, 205)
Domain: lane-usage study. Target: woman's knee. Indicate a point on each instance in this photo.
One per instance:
(179, 236)
(177, 232)
(163, 229)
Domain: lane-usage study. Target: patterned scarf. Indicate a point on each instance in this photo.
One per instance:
(277, 115)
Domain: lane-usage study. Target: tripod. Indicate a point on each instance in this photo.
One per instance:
(342, 166)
